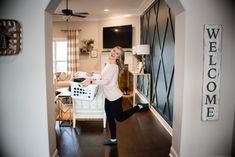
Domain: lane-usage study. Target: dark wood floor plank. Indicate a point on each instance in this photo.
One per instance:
(139, 136)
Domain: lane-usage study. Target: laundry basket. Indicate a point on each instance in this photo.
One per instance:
(82, 74)
(78, 91)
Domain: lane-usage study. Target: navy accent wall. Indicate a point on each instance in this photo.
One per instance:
(157, 30)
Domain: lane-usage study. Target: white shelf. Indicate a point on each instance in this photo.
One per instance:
(142, 98)
(137, 95)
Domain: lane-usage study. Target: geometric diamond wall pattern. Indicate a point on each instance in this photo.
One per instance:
(157, 30)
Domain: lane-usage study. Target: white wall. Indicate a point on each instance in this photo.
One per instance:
(23, 100)
(178, 81)
(89, 29)
(50, 90)
(93, 29)
(191, 136)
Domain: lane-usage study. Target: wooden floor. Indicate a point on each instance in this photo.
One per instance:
(139, 136)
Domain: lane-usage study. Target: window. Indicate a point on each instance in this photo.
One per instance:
(60, 56)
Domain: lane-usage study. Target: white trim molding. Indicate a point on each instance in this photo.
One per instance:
(55, 154)
(144, 5)
(173, 153)
(162, 121)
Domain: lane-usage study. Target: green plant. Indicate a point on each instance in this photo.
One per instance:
(87, 45)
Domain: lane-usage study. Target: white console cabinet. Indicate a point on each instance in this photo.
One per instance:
(141, 88)
(94, 109)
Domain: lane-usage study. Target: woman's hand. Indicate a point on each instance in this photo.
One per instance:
(89, 74)
(86, 82)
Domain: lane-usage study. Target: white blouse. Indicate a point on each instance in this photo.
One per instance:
(109, 82)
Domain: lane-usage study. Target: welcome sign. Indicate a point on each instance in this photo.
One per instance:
(212, 72)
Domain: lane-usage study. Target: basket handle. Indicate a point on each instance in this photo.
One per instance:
(79, 84)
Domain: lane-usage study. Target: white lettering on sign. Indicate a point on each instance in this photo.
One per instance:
(212, 71)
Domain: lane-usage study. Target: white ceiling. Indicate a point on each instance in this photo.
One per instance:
(95, 8)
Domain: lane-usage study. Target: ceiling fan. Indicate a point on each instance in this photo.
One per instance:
(69, 12)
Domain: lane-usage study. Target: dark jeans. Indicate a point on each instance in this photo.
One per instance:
(114, 111)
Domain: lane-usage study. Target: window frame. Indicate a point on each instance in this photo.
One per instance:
(55, 60)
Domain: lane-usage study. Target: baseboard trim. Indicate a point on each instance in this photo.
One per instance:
(55, 154)
(162, 121)
(173, 153)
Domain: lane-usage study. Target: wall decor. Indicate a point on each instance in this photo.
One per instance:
(87, 45)
(94, 53)
(10, 37)
(211, 72)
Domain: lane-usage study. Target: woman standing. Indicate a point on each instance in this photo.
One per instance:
(113, 94)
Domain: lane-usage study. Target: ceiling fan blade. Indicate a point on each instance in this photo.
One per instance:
(82, 16)
(69, 12)
(81, 13)
(58, 14)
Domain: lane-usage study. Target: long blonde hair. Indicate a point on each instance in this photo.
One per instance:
(120, 60)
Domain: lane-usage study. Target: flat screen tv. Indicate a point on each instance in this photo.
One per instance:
(117, 36)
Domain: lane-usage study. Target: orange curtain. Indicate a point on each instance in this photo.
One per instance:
(73, 50)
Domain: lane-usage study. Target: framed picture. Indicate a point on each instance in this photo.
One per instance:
(94, 53)
(10, 37)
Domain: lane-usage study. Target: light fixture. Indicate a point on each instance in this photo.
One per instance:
(106, 10)
(67, 17)
(142, 50)
(127, 15)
